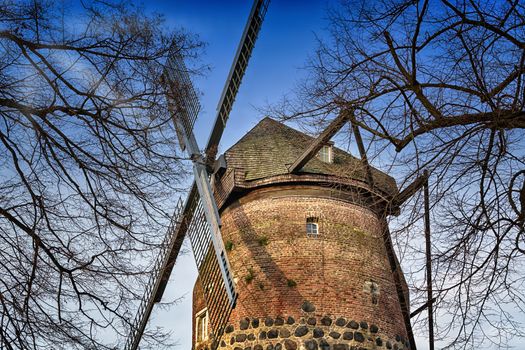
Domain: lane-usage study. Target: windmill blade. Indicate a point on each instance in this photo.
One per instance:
(183, 103)
(214, 289)
(172, 243)
(184, 106)
(200, 216)
(231, 87)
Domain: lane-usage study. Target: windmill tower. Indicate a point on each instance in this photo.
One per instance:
(289, 233)
(307, 240)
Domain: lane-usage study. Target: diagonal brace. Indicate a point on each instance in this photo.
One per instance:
(322, 139)
(410, 190)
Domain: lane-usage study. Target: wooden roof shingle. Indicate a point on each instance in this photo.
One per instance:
(271, 147)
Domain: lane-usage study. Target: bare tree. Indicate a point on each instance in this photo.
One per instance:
(88, 168)
(438, 85)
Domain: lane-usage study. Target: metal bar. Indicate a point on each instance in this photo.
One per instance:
(428, 266)
(318, 143)
(240, 62)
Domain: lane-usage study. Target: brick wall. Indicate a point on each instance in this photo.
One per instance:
(343, 273)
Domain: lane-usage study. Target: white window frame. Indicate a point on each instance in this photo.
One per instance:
(326, 153)
(201, 318)
(312, 226)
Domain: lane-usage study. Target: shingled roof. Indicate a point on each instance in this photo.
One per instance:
(271, 147)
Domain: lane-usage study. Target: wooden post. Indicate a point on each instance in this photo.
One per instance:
(428, 266)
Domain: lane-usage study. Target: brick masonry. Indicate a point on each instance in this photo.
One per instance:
(343, 273)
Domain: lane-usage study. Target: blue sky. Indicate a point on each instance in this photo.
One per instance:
(286, 39)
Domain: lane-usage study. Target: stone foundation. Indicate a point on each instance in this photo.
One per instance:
(308, 333)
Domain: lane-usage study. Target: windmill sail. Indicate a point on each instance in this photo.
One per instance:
(200, 217)
(231, 87)
(185, 106)
(171, 241)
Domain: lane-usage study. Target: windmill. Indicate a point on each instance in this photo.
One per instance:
(290, 175)
(198, 215)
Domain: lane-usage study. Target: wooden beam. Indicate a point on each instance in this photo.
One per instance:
(399, 282)
(410, 190)
(322, 139)
(362, 153)
(428, 265)
(422, 307)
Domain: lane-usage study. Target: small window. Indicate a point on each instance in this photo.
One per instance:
(312, 226)
(201, 326)
(325, 153)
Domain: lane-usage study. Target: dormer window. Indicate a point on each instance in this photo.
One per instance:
(326, 153)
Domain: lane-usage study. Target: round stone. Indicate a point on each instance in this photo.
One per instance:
(258, 347)
(340, 347)
(269, 347)
(232, 340)
(308, 306)
(284, 333)
(290, 345)
(278, 346)
(272, 334)
(262, 335)
(323, 344)
(340, 322)
(229, 328)
(290, 320)
(359, 337)
(326, 321)
(388, 345)
(379, 342)
(348, 335)
(239, 338)
(244, 323)
(268, 322)
(255, 323)
(311, 321)
(353, 324)
(335, 335)
(251, 336)
(301, 331)
(310, 345)
(248, 348)
(363, 325)
(318, 333)
(374, 328)
(223, 344)
(279, 321)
